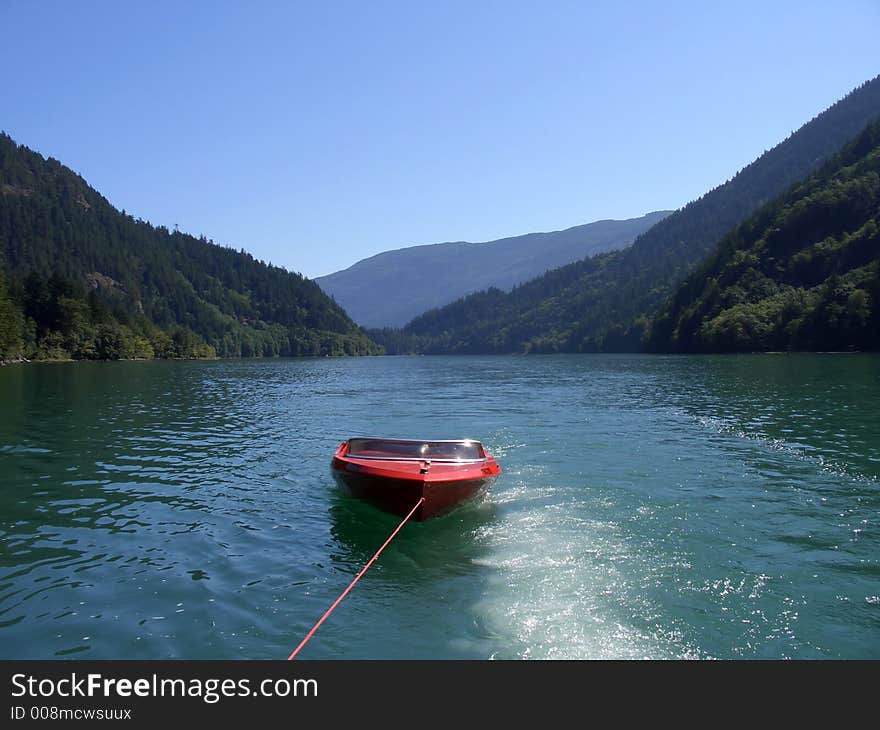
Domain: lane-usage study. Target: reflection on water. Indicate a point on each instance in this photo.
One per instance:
(649, 507)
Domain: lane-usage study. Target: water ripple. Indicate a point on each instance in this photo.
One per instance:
(649, 507)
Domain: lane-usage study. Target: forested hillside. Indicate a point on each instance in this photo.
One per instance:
(604, 303)
(389, 289)
(801, 274)
(83, 280)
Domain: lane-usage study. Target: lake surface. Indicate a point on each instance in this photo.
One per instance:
(659, 507)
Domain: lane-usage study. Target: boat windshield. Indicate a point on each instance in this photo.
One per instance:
(390, 449)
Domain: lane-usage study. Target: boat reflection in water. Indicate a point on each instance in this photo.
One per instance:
(393, 474)
(425, 554)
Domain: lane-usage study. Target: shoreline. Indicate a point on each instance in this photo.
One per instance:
(57, 361)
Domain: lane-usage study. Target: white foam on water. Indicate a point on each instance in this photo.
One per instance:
(564, 586)
(801, 451)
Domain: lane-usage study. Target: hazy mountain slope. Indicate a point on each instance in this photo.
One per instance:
(603, 303)
(801, 274)
(391, 288)
(86, 280)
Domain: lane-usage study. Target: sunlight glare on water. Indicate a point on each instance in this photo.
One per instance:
(650, 507)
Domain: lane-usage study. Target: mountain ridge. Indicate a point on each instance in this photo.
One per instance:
(391, 287)
(605, 302)
(83, 280)
(803, 273)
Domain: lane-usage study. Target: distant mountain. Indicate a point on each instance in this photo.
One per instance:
(80, 279)
(389, 289)
(803, 273)
(605, 302)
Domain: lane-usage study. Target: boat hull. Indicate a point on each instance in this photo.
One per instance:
(398, 496)
(394, 474)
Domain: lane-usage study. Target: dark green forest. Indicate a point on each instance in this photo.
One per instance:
(782, 256)
(605, 302)
(801, 274)
(82, 280)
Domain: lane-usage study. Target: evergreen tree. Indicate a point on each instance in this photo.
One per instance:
(87, 281)
(11, 325)
(801, 274)
(605, 302)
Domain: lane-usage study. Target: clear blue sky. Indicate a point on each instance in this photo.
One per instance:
(316, 134)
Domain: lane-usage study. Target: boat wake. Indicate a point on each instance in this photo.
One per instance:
(561, 584)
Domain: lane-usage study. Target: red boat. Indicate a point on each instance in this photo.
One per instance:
(394, 474)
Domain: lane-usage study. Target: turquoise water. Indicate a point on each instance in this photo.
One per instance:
(662, 507)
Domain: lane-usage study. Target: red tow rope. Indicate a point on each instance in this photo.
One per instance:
(357, 578)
